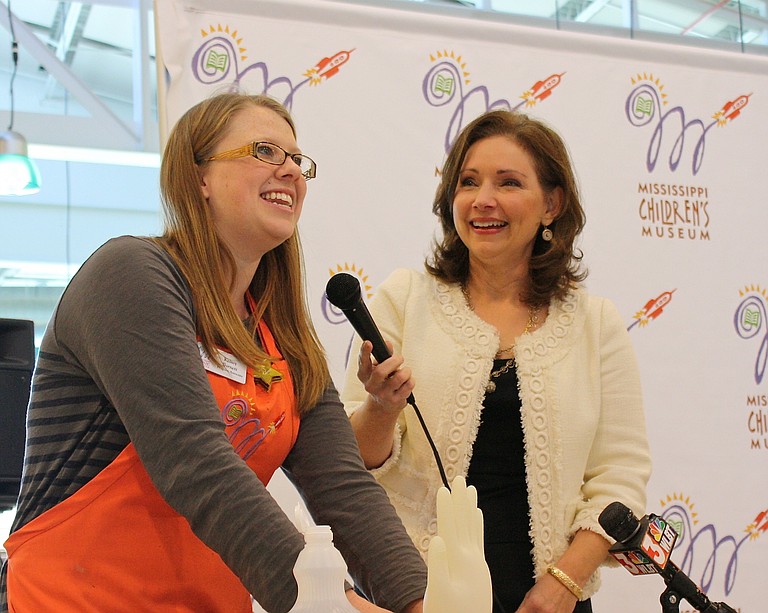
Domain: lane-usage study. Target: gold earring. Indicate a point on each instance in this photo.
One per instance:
(546, 234)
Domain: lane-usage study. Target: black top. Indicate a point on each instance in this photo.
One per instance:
(497, 470)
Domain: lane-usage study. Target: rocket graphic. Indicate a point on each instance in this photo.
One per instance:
(541, 89)
(731, 110)
(652, 309)
(327, 67)
(655, 306)
(760, 524)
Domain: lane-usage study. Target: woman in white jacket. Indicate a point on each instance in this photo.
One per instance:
(528, 385)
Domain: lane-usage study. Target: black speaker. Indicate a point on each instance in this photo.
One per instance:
(17, 360)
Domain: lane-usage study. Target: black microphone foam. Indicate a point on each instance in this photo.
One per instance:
(619, 521)
(343, 291)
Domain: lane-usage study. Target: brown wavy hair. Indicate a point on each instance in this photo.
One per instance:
(189, 236)
(555, 266)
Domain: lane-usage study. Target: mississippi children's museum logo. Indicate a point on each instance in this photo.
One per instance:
(669, 208)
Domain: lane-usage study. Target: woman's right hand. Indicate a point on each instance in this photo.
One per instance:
(388, 384)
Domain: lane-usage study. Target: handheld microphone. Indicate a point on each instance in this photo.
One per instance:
(643, 547)
(343, 292)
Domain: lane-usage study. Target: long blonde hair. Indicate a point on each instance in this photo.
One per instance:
(190, 238)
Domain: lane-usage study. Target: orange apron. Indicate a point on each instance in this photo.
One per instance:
(116, 545)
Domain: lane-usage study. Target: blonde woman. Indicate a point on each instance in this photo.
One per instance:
(177, 374)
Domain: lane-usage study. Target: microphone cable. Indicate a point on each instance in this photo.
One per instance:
(412, 401)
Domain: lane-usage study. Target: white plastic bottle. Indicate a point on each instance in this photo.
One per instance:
(320, 572)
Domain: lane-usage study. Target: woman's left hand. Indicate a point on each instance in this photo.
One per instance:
(582, 558)
(548, 595)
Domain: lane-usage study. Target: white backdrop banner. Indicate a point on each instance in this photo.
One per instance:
(669, 144)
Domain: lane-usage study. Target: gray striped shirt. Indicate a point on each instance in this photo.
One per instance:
(119, 363)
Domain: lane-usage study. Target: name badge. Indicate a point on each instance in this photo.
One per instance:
(231, 367)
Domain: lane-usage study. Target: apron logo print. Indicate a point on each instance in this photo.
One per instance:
(246, 434)
(234, 410)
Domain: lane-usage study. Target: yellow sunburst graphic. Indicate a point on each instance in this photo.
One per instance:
(218, 29)
(685, 501)
(241, 394)
(651, 79)
(753, 289)
(445, 54)
(353, 270)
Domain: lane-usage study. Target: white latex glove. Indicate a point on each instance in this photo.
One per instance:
(458, 579)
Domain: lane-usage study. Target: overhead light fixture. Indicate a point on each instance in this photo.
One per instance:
(18, 173)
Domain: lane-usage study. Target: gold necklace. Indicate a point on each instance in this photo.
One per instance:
(533, 320)
(491, 387)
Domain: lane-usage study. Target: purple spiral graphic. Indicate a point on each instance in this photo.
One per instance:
(216, 61)
(749, 321)
(241, 408)
(437, 97)
(643, 106)
(705, 538)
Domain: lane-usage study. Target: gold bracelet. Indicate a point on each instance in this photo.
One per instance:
(569, 583)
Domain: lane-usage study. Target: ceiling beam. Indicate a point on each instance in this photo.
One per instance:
(142, 75)
(71, 82)
(74, 16)
(589, 12)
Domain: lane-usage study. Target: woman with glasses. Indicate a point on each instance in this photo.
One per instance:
(528, 385)
(178, 373)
